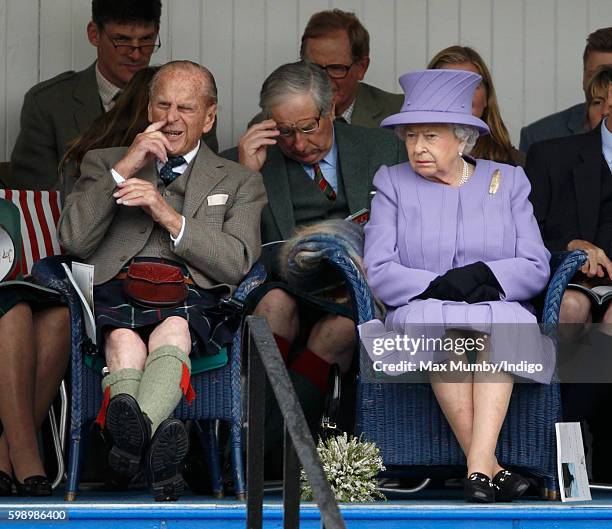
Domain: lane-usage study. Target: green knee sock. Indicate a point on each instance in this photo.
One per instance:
(160, 391)
(122, 381)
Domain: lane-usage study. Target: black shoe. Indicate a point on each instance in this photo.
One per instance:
(477, 488)
(6, 484)
(164, 460)
(509, 485)
(130, 431)
(34, 486)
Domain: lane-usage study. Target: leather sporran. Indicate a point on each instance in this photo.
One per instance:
(155, 285)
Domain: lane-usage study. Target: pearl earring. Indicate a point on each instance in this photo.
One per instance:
(460, 154)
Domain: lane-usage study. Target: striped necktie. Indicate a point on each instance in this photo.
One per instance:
(323, 184)
(166, 172)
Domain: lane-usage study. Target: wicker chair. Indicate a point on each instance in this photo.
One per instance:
(218, 390)
(406, 423)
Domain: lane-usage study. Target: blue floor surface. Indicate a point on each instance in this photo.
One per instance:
(428, 509)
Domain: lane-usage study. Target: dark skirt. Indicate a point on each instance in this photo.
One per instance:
(210, 327)
(37, 298)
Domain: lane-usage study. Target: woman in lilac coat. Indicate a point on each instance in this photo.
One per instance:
(453, 250)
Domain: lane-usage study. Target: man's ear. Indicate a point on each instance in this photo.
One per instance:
(362, 67)
(211, 113)
(93, 33)
(332, 112)
(149, 113)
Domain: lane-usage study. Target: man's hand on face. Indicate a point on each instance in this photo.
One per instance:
(253, 144)
(147, 145)
(140, 193)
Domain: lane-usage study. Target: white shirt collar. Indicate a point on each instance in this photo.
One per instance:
(107, 90)
(188, 158)
(348, 113)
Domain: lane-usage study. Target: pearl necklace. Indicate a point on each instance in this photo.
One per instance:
(465, 173)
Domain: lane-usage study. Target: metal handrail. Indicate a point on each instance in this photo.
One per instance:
(264, 360)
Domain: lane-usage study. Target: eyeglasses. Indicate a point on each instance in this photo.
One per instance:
(338, 71)
(127, 49)
(305, 126)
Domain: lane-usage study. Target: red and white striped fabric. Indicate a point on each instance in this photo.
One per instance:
(40, 212)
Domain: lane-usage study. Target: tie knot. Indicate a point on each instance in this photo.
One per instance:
(167, 174)
(175, 161)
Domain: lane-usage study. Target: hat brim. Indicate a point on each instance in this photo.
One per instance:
(417, 117)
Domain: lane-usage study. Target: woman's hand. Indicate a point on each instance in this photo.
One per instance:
(597, 263)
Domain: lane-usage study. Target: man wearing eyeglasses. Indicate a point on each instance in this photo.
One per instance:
(314, 168)
(337, 41)
(55, 112)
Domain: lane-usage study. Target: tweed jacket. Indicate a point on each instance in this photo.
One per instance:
(221, 242)
(361, 152)
(54, 113)
(565, 123)
(566, 177)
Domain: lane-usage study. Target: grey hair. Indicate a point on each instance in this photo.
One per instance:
(466, 133)
(297, 78)
(209, 91)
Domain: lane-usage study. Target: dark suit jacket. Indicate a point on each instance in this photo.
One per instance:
(221, 241)
(566, 176)
(570, 121)
(361, 151)
(54, 113)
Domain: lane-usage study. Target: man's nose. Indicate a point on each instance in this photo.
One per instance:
(172, 114)
(607, 107)
(300, 142)
(135, 54)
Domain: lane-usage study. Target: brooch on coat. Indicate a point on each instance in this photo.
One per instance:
(494, 185)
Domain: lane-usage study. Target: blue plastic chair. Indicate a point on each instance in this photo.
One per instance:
(406, 422)
(218, 391)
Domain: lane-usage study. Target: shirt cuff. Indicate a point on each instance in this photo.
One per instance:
(117, 177)
(180, 235)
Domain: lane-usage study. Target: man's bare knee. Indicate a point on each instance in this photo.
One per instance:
(172, 331)
(124, 349)
(281, 311)
(334, 339)
(575, 307)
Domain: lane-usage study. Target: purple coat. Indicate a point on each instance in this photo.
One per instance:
(419, 229)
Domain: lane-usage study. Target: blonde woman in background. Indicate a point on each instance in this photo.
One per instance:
(495, 146)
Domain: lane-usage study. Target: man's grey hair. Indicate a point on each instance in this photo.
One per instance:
(297, 78)
(466, 133)
(209, 90)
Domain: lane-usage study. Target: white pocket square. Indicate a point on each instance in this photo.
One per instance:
(217, 200)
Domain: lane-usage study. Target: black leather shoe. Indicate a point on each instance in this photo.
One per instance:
(164, 460)
(509, 485)
(130, 431)
(34, 486)
(477, 488)
(6, 484)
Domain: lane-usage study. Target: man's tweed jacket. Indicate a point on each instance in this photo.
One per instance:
(220, 242)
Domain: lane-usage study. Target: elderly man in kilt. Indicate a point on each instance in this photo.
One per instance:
(165, 211)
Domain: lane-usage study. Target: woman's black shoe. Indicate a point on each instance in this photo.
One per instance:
(509, 485)
(6, 484)
(477, 488)
(34, 486)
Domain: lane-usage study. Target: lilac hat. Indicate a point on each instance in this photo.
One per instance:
(438, 96)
